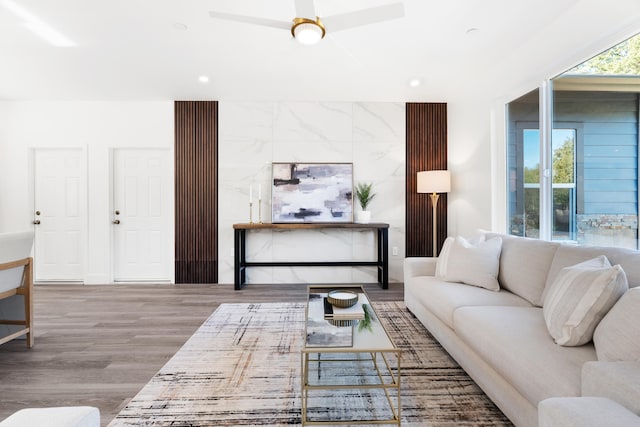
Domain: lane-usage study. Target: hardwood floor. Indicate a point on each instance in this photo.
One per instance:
(99, 345)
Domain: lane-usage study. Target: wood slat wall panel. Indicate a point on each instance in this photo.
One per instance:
(426, 134)
(196, 195)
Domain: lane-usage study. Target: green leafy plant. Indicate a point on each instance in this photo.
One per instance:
(364, 194)
(368, 318)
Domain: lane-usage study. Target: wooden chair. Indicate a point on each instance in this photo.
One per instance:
(26, 290)
(16, 279)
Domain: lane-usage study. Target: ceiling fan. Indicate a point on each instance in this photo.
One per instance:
(308, 28)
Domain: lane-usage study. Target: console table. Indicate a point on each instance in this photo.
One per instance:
(241, 263)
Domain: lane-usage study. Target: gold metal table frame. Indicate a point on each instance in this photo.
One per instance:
(371, 349)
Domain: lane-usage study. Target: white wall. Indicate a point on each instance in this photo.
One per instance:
(471, 164)
(287, 131)
(97, 128)
(372, 136)
(253, 135)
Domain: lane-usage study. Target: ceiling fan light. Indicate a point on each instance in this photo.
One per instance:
(307, 31)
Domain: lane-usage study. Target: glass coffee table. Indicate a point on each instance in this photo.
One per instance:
(348, 357)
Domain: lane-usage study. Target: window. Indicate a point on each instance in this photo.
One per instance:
(526, 221)
(590, 190)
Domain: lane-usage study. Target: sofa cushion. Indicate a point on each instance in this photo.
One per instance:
(580, 297)
(617, 336)
(568, 255)
(584, 412)
(473, 263)
(524, 264)
(443, 298)
(515, 342)
(619, 381)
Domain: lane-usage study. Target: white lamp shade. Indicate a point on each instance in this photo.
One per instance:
(434, 181)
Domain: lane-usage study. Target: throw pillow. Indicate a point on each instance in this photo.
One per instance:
(617, 336)
(579, 298)
(473, 263)
(443, 257)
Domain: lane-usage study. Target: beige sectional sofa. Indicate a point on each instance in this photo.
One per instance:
(502, 340)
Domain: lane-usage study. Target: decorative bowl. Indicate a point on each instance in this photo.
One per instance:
(342, 323)
(341, 298)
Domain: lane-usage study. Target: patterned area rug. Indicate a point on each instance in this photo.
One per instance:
(242, 367)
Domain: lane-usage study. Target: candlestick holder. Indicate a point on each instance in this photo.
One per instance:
(259, 211)
(250, 212)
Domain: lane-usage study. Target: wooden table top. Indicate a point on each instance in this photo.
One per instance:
(308, 225)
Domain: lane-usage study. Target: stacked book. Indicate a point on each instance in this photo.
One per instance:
(331, 312)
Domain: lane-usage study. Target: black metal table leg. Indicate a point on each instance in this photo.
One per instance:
(383, 258)
(239, 258)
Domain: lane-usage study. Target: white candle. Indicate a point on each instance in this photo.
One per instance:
(259, 191)
(250, 193)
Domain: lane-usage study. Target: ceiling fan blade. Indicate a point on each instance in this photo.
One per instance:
(363, 17)
(252, 20)
(305, 9)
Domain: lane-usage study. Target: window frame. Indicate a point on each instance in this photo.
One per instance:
(546, 216)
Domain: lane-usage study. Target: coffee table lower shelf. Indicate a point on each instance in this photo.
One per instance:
(381, 367)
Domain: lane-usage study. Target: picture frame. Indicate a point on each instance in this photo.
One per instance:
(312, 192)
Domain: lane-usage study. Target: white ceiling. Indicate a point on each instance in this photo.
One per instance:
(132, 50)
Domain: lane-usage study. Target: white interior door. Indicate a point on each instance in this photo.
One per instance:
(58, 214)
(140, 215)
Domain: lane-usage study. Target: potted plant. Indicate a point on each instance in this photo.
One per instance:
(364, 195)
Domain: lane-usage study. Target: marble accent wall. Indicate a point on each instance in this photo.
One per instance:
(252, 135)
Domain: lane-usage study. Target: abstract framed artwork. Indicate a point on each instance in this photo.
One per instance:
(312, 192)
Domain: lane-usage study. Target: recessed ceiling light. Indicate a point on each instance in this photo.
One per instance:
(203, 79)
(415, 82)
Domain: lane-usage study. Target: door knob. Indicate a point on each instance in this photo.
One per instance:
(36, 222)
(116, 221)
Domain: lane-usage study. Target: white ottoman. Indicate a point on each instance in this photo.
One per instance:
(66, 416)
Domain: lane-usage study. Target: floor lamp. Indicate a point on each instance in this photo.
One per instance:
(434, 182)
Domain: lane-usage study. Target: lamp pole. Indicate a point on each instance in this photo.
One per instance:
(434, 204)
